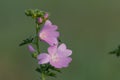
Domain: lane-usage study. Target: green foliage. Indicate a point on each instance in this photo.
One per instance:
(51, 74)
(48, 70)
(116, 51)
(59, 40)
(31, 39)
(38, 70)
(34, 13)
(34, 55)
(27, 41)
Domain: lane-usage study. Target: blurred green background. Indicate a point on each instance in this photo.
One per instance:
(91, 28)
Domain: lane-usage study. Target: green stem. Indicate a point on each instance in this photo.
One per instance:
(42, 76)
(38, 50)
(37, 38)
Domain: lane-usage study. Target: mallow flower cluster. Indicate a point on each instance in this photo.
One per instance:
(58, 55)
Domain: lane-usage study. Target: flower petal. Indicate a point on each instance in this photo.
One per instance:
(62, 51)
(47, 23)
(48, 26)
(55, 34)
(51, 41)
(52, 49)
(43, 58)
(61, 62)
(56, 64)
(66, 61)
(68, 52)
(65, 53)
(62, 47)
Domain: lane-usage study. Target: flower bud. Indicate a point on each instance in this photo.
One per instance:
(39, 20)
(29, 12)
(46, 16)
(31, 49)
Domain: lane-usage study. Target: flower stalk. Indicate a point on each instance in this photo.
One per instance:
(37, 38)
(38, 49)
(42, 76)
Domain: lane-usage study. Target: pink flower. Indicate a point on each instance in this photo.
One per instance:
(49, 34)
(57, 57)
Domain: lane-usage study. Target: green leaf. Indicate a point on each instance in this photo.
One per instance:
(26, 41)
(59, 40)
(34, 55)
(113, 52)
(116, 51)
(51, 74)
(38, 70)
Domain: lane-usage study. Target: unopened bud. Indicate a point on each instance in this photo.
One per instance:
(31, 49)
(39, 20)
(46, 15)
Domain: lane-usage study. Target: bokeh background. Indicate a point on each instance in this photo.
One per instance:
(91, 28)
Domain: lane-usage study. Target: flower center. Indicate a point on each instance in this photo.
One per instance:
(54, 58)
(43, 35)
